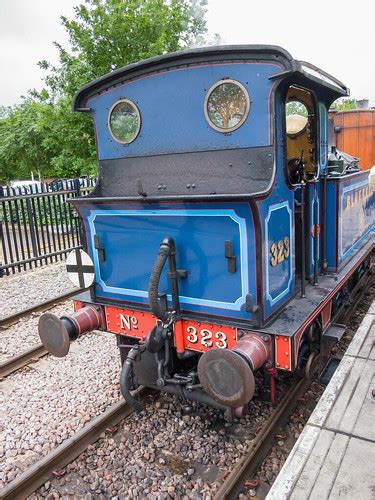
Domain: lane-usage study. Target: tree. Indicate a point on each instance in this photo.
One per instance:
(21, 138)
(344, 104)
(108, 34)
(296, 108)
(43, 134)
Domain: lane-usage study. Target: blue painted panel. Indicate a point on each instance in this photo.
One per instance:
(131, 236)
(277, 219)
(172, 110)
(279, 277)
(331, 231)
(356, 214)
(311, 239)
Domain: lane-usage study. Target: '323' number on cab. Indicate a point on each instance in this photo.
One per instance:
(207, 338)
(280, 251)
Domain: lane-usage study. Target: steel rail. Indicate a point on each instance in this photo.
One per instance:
(262, 443)
(357, 295)
(8, 320)
(38, 473)
(16, 362)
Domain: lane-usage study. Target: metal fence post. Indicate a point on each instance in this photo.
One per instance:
(32, 227)
(1, 235)
(80, 228)
(37, 226)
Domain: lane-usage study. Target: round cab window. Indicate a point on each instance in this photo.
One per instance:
(296, 117)
(124, 121)
(227, 105)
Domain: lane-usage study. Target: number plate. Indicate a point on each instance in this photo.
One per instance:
(197, 336)
(204, 336)
(128, 322)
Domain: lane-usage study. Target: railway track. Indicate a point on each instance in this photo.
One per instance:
(43, 306)
(38, 473)
(16, 362)
(34, 353)
(246, 467)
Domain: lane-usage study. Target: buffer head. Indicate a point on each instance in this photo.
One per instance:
(54, 335)
(226, 376)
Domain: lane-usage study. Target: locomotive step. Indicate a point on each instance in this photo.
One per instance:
(334, 332)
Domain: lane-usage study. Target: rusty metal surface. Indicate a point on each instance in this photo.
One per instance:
(226, 377)
(33, 477)
(54, 335)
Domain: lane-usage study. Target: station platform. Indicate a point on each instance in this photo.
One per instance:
(334, 457)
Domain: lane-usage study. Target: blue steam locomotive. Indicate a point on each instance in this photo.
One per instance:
(223, 236)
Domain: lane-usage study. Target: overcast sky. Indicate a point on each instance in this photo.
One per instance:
(334, 35)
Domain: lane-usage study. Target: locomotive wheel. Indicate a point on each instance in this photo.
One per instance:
(310, 367)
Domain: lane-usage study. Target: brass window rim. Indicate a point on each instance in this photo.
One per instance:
(246, 114)
(135, 107)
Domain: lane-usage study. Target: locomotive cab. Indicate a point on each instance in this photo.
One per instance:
(204, 228)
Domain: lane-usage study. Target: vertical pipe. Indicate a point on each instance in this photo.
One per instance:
(173, 277)
(303, 238)
(316, 235)
(323, 221)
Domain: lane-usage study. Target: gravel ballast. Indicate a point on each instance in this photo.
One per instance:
(160, 453)
(50, 400)
(33, 287)
(23, 335)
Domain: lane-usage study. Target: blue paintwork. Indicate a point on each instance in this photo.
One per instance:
(331, 225)
(172, 103)
(350, 214)
(131, 236)
(277, 221)
(356, 214)
(278, 225)
(311, 239)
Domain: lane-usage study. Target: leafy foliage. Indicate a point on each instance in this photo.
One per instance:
(296, 108)
(227, 105)
(42, 134)
(344, 104)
